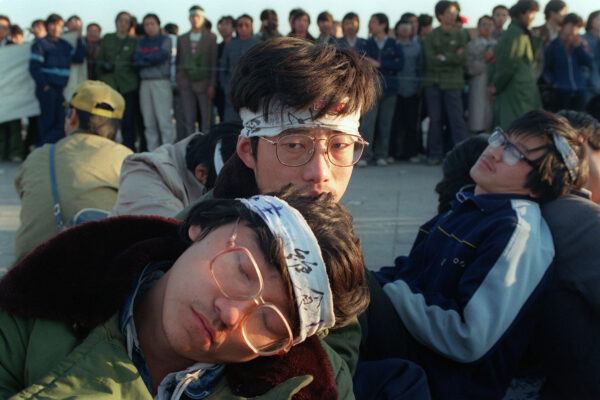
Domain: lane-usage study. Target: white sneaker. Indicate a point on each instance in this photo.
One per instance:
(381, 162)
(362, 164)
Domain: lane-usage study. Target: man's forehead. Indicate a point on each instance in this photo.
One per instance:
(314, 131)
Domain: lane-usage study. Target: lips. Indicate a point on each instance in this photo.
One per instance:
(485, 162)
(204, 326)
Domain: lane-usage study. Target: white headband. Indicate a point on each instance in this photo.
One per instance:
(304, 262)
(282, 118)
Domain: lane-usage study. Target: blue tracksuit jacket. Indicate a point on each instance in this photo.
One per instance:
(50, 62)
(466, 292)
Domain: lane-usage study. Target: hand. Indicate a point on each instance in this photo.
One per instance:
(373, 62)
(210, 92)
(46, 88)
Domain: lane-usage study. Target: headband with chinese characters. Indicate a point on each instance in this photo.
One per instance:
(304, 263)
(282, 118)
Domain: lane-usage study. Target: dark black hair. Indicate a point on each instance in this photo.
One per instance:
(75, 17)
(523, 6)
(123, 13)
(15, 30)
(484, 17)
(267, 14)
(52, 19)
(94, 24)
(298, 73)
(498, 7)
(572, 18)
(207, 24)
(226, 18)
(244, 16)
(590, 20)
(351, 15)
(151, 15)
(424, 20)
(98, 125)
(553, 6)
(325, 16)
(201, 149)
(442, 6)
(139, 30)
(4, 17)
(382, 19)
(586, 125)
(407, 15)
(171, 28)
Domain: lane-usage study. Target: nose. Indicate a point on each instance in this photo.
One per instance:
(232, 312)
(318, 169)
(496, 152)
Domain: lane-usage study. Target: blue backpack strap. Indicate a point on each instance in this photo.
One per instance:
(56, 208)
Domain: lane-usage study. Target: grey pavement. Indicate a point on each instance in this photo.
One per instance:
(388, 205)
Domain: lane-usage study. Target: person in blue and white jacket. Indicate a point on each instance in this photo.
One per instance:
(462, 304)
(50, 67)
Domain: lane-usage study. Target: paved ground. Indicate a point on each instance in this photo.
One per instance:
(388, 205)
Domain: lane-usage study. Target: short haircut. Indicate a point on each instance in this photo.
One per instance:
(36, 22)
(499, 7)
(484, 17)
(92, 24)
(15, 30)
(244, 16)
(382, 19)
(53, 19)
(296, 14)
(4, 17)
(586, 125)
(407, 15)
(151, 15)
(226, 18)
(553, 6)
(332, 226)
(590, 20)
(267, 13)
(401, 22)
(522, 7)
(171, 28)
(74, 17)
(442, 6)
(549, 178)
(298, 73)
(122, 13)
(424, 21)
(572, 18)
(325, 16)
(201, 150)
(351, 15)
(101, 126)
(196, 8)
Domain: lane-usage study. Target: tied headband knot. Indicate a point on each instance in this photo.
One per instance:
(282, 118)
(304, 261)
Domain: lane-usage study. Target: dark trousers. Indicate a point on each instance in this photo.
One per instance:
(439, 101)
(11, 145)
(128, 120)
(406, 140)
(376, 126)
(52, 114)
(570, 100)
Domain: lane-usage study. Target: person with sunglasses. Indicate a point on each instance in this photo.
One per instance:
(227, 304)
(462, 303)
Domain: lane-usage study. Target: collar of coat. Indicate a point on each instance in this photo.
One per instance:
(83, 276)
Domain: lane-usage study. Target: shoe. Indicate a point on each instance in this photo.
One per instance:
(434, 161)
(362, 164)
(390, 160)
(381, 162)
(415, 159)
(16, 159)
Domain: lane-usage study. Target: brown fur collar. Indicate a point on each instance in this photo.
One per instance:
(83, 276)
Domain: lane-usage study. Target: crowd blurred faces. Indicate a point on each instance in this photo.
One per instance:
(243, 27)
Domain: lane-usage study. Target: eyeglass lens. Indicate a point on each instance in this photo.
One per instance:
(237, 276)
(510, 155)
(342, 150)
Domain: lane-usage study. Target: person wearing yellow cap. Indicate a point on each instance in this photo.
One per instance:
(80, 171)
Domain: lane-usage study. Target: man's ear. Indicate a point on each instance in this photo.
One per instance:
(201, 173)
(194, 232)
(244, 151)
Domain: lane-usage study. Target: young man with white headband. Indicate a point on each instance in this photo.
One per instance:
(152, 308)
(463, 303)
(300, 104)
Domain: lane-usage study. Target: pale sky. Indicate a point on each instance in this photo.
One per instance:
(22, 12)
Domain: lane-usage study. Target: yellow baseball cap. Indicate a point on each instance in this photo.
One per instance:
(87, 95)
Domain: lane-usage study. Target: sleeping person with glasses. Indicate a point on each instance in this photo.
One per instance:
(229, 304)
(462, 304)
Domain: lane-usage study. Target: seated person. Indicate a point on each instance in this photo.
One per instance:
(86, 163)
(565, 344)
(168, 179)
(142, 307)
(462, 303)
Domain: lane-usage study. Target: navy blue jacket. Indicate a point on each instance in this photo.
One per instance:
(391, 58)
(563, 69)
(468, 292)
(50, 62)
